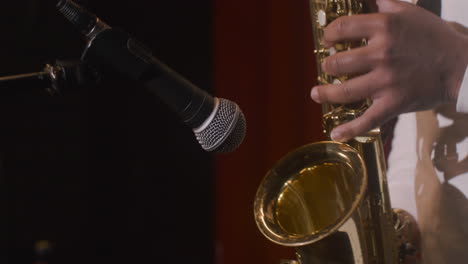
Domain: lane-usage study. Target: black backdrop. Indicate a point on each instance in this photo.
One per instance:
(105, 173)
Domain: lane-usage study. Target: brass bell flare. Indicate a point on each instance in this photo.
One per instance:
(310, 193)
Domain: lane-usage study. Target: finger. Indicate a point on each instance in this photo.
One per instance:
(355, 61)
(377, 114)
(355, 27)
(350, 91)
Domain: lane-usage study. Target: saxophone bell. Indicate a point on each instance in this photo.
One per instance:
(308, 197)
(309, 182)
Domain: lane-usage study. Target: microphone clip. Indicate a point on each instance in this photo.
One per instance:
(53, 78)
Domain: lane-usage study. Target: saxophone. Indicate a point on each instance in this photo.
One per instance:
(330, 200)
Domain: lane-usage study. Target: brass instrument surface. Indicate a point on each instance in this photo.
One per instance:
(282, 198)
(307, 202)
(329, 198)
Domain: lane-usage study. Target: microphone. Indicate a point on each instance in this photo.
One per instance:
(219, 124)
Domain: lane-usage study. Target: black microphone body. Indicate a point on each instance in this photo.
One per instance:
(115, 49)
(219, 125)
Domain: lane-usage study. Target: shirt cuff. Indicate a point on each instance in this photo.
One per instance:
(462, 100)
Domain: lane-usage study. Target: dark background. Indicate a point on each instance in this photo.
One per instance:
(106, 173)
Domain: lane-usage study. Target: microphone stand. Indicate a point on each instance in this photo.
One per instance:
(54, 79)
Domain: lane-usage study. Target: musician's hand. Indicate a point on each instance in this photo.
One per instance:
(414, 61)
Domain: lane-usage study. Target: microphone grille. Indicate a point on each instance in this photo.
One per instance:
(77, 15)
(226, 131)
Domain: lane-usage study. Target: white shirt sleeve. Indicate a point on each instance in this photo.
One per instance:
(462, 100)
(455, 10)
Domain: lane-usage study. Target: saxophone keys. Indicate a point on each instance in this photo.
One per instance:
(408, 236)
(322, 18)
(337, 81)
(324, 52)
(323, 80)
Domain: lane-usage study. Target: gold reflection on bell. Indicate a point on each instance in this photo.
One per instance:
(315, 197)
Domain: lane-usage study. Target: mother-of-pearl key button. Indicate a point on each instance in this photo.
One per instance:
(336, 81)
(322, 18)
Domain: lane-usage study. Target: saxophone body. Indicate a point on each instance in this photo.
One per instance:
(330, 200)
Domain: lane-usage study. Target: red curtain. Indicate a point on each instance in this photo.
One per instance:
(264, 61)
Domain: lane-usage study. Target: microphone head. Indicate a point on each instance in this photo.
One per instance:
(77, 15)
(224, 130)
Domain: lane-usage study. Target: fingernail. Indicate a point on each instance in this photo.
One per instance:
(315, 95)
(337, 135)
